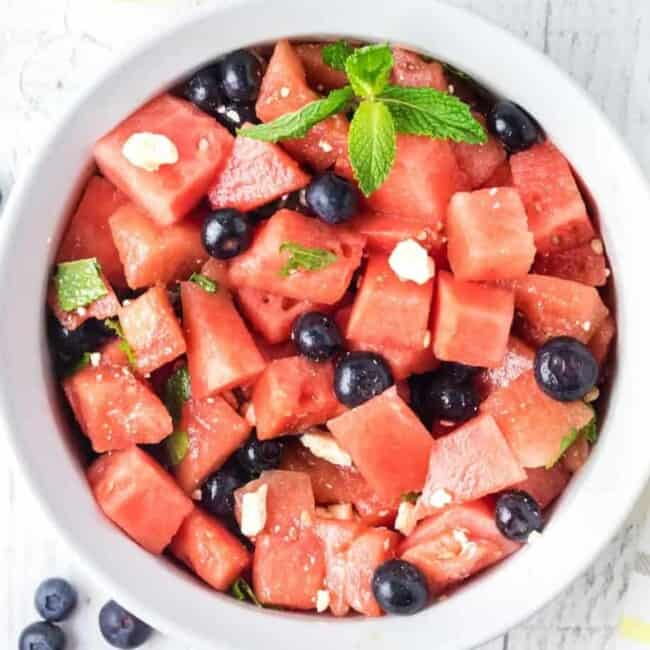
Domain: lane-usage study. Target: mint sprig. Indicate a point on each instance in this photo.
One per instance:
(382, 111)
(79, 283)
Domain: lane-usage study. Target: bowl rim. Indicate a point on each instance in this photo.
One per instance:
(164, 614)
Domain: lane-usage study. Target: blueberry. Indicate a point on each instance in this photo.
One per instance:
(516, 129)
(120, 628)
(332, 198)
(233, 116)
(316, 336)
(42, 636)
(55, 598)
(400, 587)
(360, 376)
(68, 346)
(439, 395)
(203, 89)
(294, 201)
(258, 456)
(457, 372)
(241, 75)
(226, 233)
(565, 369)
(518, 515)
(217, 492)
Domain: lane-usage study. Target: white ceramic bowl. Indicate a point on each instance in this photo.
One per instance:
(591, 510)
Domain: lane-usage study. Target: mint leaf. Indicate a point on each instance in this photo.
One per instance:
(410, 497)
(80, 364)
(204, 282)
(177, 391)
(298, 123)
(79, 283)
(303, 258)
(114, 325)
(426, 111)
(372, 145)
(368, 69)
(241, 590)
(589, 431)
(177, 445)
(336, 54)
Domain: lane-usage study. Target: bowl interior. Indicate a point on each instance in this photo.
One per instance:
(596, 501)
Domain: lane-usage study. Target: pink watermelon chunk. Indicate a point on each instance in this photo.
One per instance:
(320, 76)
(518, 359)
(585, 264)
(601, 342)
(411, 70)
(545, 485)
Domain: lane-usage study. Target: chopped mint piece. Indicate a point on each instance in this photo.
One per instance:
(368, 69)
(177, 445)
(336, 54)
(589, 431)
(80, 364)
(305, 258)
(410, 497)
(79, 283)
(114, 325)
(204, 282)
(177, 391)
(298, 123)
(426, 111)
(241, 590)
(372, 144)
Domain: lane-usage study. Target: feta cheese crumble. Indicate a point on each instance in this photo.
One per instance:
(324, 446)
(410, 261)
(253, 511)
(440, 498)
(322, 600)
(95, 358)
(149, 151)
(405, 521)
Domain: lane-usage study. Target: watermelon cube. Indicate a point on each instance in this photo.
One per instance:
(545, 485)
(388, 310)
(260, 267)
(255, 174)
(471, 322)
(215, 431)
(601, 342)
(217, 271)
(169, 193)
(557, 214)
(387, 443)
(411, 70)
(470, 463)
(289, 573)
(210, 550)
(479, 162)
(115, 409)
(519, 358)
(293, 394)
(502, 176)
(365, 554)
(556, 307)
(488, 235)
(152, 330)
(402, 361)
(272, 316)
(533, 423)
(290, 505)
(320, 76)
(88, 233)
(152, 254)
(105, 307)
(139, 496)
(284, 90)
(455, 544)
(585, 264)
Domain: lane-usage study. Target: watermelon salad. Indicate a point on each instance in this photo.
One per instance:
(332, 320)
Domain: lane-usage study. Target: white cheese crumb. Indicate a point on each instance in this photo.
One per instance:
(405, 521)
(253, 511)
(204, 144)
(493, 191)
(81, 311)
(149, 151)
(427, 339)
(325, 446)
(284, 91)
(126, 303)
(95, 358)
(410, 261)
(586, 326)
(325, 146)
(322, 600)
(466, 547)
(249, 414)
(597, 246)
(592, 395)
(440, 498)
(451, 89)
(305, 519)
(342, 511)
(534, 537)
(197, 495)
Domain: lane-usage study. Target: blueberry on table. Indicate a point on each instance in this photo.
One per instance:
(217, 493)
(518, 515)
(226, 233)
(332, 199)
(400, 587)
(55, 599)
(241, 76)
(316, 336)
(565, 369)
(42, 636)
(258, 456)
(360, 376)
(203, 89)
(511, 124)
(120, 628)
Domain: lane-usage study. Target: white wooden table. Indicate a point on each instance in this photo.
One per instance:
(48, 48)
